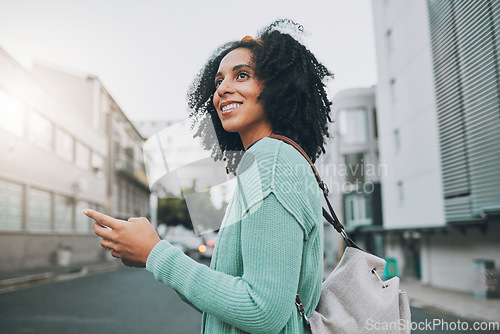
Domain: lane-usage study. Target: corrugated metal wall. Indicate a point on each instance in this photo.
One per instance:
(465, 37)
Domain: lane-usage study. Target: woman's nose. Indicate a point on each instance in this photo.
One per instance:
(225, 87)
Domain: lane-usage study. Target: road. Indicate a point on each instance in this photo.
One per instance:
(131, 301)
(432, 321)
(122, 302)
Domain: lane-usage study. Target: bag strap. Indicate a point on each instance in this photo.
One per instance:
(331, 217)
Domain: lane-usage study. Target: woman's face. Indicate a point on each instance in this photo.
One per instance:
(236, 97)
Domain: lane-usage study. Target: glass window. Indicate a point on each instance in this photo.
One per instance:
(397, 140)
(116, 196)
(64, 213)
(368, 207)
(127, 198)
(388, 40)
(40, 131)
(82, 222)
(401, 195)
(11, 206)
(353, 126)
(97, 163)
(355, 168)
(64, 145)
(393, 90)
(120, 198)
(11, 114)
(39, 213)
(358, 210)
(82, 156)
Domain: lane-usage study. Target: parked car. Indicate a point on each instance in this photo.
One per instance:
(187, 241)
(182, 246)
(207, 248)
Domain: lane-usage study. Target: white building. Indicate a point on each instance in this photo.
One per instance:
(65, 146)
(439, 135)
(127, 191)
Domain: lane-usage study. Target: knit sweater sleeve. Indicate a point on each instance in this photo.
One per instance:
(262, 299)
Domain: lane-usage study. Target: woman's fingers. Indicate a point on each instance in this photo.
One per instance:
(105, 243)
(104, 224)
(103, 219)
(111, 246)
(132, 240)
(102, 231)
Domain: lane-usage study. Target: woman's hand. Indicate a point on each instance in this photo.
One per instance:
(131, 241)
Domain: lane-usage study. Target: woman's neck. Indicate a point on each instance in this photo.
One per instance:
(249, 139)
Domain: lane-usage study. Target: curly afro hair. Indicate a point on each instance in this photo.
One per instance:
(294, 95)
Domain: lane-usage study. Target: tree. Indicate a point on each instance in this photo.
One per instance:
(174, 211)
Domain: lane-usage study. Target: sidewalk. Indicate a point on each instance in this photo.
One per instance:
(462, 304)
(14, 280)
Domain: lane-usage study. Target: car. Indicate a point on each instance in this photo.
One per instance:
(185, 240)
(194, 246)
(180, 245)
(207, 248)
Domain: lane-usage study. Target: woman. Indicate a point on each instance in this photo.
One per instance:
(270, 242)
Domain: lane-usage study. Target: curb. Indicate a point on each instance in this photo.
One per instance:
(448, 310)
(26, 279)
(15, 283)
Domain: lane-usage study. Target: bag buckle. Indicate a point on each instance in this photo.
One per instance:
(326, 191)
(374, 271)
(302, 312)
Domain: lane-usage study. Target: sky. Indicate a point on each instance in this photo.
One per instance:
(147, 52)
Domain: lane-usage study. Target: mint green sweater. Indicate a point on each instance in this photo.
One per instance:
(269, 249)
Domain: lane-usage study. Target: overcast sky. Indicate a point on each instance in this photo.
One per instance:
(147, 52)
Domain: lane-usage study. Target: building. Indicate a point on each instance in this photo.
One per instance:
(351, 170)
(439, 135)
(65, 146)
(358, 171)
(127, 190)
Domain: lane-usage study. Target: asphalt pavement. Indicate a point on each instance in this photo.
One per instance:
(461, 304)
(115, 301)
(427, 302)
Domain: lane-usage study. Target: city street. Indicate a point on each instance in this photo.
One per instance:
(427, 321)
(132, 301)
(122, 302)
(111, 106)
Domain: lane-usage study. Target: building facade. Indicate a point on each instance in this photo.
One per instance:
(351, 170)
(57, 159)
(127, 190)
(439, 135)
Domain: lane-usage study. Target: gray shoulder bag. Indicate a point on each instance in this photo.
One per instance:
(354, 299)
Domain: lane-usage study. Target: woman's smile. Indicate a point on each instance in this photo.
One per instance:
(228, 106)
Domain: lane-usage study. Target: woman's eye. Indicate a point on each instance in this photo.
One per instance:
(243, 75)
(218, 82)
